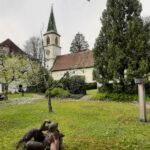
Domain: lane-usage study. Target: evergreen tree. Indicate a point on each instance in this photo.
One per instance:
(121, 49)
(79, 44)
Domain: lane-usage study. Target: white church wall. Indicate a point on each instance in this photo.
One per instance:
(87, 72)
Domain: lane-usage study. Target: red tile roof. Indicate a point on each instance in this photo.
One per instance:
(74, 61)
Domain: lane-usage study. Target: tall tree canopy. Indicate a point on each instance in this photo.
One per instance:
(121, 49)
(79, 44)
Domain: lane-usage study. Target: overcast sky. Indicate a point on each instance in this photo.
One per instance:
(21, 19)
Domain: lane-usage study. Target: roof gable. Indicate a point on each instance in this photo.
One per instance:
(12, 47)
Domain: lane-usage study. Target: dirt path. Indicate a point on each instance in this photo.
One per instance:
(24, 100)
(86, 97)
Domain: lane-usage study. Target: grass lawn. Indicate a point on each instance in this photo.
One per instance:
(87, 125)
(19, 95)
(91, 92)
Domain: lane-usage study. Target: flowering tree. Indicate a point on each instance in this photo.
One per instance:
(17, 70)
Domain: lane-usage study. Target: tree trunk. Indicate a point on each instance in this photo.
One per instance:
(22, 92)
(49, 102)
(6, 92)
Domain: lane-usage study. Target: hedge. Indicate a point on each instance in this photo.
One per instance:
(58, 92)
(75, 84)
(115, 97)
(91, 86)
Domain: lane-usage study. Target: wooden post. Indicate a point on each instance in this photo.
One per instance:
(142, 103)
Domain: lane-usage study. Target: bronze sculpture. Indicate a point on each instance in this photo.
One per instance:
(51, 140)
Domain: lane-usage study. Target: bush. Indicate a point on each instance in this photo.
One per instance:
(147, 88)
(58, 92)
(128, 87)
(115, 97)
(75, 84)
(90, 86)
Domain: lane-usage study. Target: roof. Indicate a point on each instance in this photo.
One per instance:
(52, 24)
(12, 46)
(74, 61)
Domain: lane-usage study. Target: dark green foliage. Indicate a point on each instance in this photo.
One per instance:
(58, 92)
(39, 85)
(90, 86)
(75, 84)
(79, 44)
(115, 97)
(121, 50)
(147, 88)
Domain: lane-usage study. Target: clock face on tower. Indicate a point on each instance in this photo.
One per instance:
(47, 52)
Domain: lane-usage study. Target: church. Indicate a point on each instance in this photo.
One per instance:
(81, 63)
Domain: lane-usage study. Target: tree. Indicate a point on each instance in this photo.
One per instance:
(79, 44)
(17, 70)
(33, 47)
(122, 46)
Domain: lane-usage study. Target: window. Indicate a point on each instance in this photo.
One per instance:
(48, 40)
(56, 41)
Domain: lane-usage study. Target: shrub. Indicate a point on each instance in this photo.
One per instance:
(147, 88)
(58, 92)
(128, 87)
(115, 97)
(90, 86)
(75, 84)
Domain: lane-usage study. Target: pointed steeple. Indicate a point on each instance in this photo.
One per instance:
(52, 24)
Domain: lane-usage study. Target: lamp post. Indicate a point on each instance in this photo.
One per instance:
(142, 103)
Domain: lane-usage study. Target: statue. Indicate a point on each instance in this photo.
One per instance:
(51, 140)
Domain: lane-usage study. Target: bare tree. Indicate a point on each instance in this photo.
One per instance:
(33, 47)
(146, 20)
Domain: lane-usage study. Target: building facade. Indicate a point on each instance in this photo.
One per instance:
(81, 63)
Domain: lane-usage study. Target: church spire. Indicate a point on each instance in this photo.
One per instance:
(51, 24)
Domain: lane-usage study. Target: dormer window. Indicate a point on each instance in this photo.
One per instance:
(56, 41)
(48, 40)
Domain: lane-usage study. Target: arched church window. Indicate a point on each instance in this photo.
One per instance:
(56, 41)
(48, 40)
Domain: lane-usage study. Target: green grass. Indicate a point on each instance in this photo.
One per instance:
(91, 92)
(87, 125)
(19, 95)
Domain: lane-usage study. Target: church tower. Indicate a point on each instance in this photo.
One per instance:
(51, 42)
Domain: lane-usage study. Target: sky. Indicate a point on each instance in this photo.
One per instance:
(22, 19)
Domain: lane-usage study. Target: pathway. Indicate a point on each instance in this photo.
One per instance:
(24, 100)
